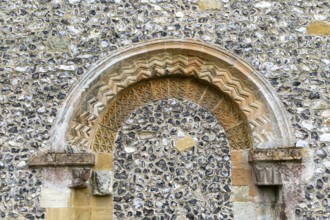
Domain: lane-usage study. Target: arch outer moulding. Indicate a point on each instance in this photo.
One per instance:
(269, 125)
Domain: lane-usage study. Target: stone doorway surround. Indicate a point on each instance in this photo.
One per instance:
(266, 157)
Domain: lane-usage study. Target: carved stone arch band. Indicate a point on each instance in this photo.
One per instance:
(89, 99)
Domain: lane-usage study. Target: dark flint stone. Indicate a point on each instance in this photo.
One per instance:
(148, 212)
(314, 95)
(148, 204)
(178, 195)
(319, 184)
(162, 164)
(128, 197)
(190, 216)
(226, 187)
(119, 215)
(131, 134)
(117, 207)
(205, 138)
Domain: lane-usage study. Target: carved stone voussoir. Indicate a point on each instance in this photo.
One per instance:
(62, 159)
(276, 155)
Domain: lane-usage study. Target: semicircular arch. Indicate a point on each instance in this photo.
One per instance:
(263, 111)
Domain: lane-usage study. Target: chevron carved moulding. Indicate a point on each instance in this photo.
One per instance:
(231, 100)
(241, 99)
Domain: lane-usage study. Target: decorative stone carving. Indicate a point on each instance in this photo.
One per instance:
(102, 183)
(80, 176)
(268, 164)
(264, 113)
(267, 174)
(168, 64)
(224, 109)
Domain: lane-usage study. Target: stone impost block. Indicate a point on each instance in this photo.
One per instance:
(276, 155)
(102, 183)
(267, 163)
(62, 159)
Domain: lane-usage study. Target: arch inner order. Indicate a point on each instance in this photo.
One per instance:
(185, 88)
(172, 160)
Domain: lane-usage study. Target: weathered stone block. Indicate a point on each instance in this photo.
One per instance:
(185, 143)
(62, 159)
(241, 177)
(54, 197)
(102, 214)
(81, 197)
(267, 174)
(57, 213)
(239, 159)
(102, 183)
(210, 5)
(103, 161)
(244, 210)
(102, 201)
(276, 155)
(240, 193)
(319, 28)
(80, 176)
(81, 213)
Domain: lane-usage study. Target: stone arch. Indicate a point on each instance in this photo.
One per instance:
(256, 111)
(267, 120)
(186, 88)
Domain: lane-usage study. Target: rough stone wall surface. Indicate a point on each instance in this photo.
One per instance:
(45, 47)
(172, 159)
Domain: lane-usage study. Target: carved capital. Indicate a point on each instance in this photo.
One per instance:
(267, 174)
(269, 165)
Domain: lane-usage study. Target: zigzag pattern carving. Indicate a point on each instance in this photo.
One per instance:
(168, 64)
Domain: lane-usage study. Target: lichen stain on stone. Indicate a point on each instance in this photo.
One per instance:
(209, 5)
(184, 143)
(318, 28)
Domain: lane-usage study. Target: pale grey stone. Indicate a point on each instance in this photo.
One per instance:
(244, 210)
(102, 183)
